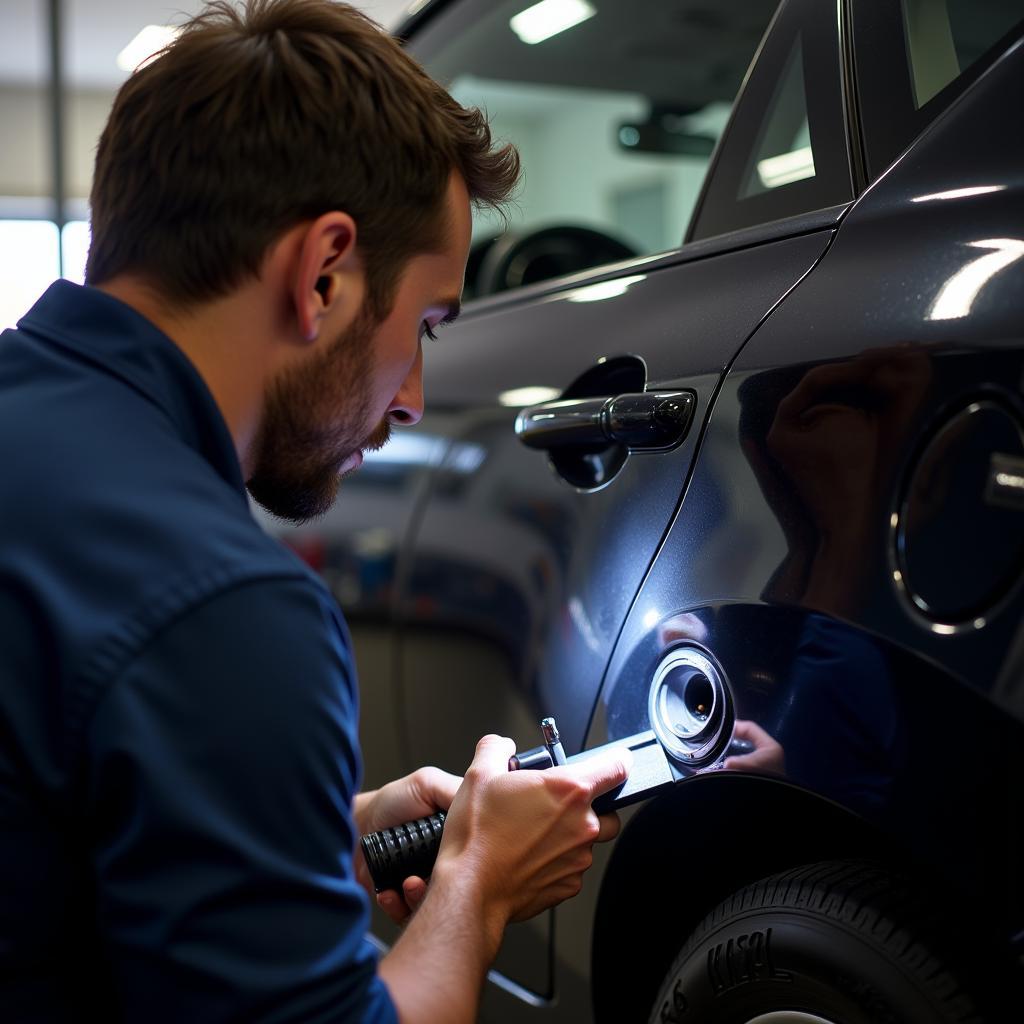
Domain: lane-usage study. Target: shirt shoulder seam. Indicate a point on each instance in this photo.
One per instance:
(123, 374)
(112, 654)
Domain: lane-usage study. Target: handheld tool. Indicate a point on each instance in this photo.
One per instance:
(393, 854)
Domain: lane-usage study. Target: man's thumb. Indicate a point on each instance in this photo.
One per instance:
(604, 770)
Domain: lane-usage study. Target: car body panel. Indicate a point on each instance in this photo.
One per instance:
(784, 560)
(515, 584)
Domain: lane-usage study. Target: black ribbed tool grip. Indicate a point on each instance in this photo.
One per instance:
(393, 854)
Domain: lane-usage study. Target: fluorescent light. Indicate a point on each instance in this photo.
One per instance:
(528, 396)
(548, 18)
(146, 45)
(786, 167)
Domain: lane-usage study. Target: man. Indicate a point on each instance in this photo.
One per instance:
(280, 210)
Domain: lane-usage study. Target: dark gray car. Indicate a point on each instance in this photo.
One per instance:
(771, 491)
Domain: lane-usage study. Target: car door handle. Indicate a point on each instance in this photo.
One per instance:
(648, 421)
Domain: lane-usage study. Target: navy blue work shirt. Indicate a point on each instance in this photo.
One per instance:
(178, 746)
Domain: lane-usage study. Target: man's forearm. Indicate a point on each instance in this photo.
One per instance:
(436, 970)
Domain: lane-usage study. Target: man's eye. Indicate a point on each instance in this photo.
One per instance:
(427, 331)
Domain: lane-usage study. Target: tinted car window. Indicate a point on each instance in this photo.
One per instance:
(785, 152)
(946, 37)
(914, 58)
(615, 117)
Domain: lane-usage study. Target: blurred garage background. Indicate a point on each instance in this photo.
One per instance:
(51, 119)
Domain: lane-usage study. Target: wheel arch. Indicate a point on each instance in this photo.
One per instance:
(722, 831)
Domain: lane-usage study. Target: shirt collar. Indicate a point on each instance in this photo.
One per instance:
(120, 341)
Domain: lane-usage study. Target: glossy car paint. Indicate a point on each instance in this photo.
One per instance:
(484, 592)
(782, 559)
(515, 585)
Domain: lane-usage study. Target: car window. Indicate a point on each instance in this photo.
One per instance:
(783, 153)
(615, 116)
(786, 150)
(916, 56)
(944, 38)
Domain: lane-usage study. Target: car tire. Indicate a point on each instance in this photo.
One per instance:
(828, 943)
(516, 260)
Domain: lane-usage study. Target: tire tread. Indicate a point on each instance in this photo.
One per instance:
(871, 901)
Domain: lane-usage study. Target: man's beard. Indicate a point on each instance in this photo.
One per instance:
(303, 440)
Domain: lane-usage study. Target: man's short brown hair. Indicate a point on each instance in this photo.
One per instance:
(257, 119)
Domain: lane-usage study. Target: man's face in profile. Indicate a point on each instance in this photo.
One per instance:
(321, 415)
(317, 417)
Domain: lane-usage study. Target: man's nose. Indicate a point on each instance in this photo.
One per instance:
(407, 406)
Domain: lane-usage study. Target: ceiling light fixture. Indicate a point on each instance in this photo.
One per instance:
(548, 18)
(146, 45)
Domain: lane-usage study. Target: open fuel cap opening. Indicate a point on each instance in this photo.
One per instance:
(690, 707)
(959, 532)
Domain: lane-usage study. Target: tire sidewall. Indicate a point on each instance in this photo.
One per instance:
(785, 959)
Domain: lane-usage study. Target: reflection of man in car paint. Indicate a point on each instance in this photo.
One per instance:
(281, 210)
(827, 460)
(830, 451)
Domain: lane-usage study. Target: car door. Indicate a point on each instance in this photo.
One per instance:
(520, 565)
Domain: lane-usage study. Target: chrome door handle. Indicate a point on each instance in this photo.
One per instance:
(648, 421)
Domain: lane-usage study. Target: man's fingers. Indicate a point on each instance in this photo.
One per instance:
(393, 905)
(492, 754)
(399, 906)
(601, 772)
(435, 787)
(414, 889)
(748, 730)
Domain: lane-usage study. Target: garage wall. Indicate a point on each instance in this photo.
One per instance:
(25, 153)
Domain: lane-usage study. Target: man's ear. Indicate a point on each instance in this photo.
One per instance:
(328, 275)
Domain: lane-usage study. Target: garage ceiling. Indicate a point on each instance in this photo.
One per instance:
(95, 31)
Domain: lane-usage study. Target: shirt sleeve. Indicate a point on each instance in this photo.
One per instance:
(222, 767)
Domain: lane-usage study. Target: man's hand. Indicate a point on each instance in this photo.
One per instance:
(515, 843)
(524, 839)
(415, 796)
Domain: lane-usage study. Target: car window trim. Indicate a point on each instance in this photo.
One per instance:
(852, 114)
(709, 174)
(826, 218)
(720, 210)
